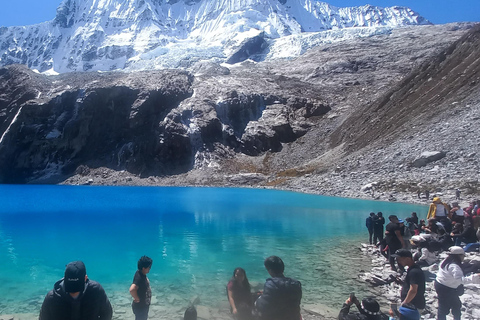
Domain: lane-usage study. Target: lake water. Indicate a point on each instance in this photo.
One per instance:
(195, 236)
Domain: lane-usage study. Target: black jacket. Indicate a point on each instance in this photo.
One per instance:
(91, 304)
(280, 299)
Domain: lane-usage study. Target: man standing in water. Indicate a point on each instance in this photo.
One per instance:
(281, 296)
(75, 297)
(140, 289)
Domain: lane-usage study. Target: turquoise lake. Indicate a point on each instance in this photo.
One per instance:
(195, 236)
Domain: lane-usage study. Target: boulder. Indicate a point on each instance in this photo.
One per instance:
(427, 157)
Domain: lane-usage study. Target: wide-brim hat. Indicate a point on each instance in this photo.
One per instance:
(370, 306)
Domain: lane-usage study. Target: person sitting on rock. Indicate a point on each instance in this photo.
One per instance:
(368, 309)
(431, 228)
(281, 295)
(413, 223)
(465, 235)
(423, 257)
(239, 296)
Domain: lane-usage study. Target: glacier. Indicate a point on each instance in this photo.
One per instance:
(105, 35)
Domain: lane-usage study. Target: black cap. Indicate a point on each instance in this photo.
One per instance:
(74, 279)
(402, 253)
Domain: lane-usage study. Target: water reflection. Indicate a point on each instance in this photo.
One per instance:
(196, 237)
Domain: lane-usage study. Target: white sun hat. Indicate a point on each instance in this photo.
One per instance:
(456, 250)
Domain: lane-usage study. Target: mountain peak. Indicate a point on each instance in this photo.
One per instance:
(144, 34)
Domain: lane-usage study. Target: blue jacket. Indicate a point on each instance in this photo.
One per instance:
(280, 299)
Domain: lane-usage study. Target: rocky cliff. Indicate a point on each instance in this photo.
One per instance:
(339, 117)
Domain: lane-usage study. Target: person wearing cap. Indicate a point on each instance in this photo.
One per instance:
(394, 240)
(368, 309)
(449, 284)
(75, 297)
(413, 287)
(140, 289)
(423, 257)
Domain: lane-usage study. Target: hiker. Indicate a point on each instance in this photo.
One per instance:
(449, 284)
(439, 211)
(378, 228)
(394, 240)
(423, 257)
(76, 297)
(369, 223)
(140, 289)
(413, 287)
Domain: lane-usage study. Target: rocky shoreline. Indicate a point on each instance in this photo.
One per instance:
(389, 292)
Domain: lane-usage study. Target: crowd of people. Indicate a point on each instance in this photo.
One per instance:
(413, 243)
(76, 297)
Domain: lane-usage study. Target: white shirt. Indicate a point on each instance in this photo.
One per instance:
(452, 276)
(428, 256)
(459, 213)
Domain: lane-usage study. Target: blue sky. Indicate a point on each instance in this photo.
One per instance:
(25, 12)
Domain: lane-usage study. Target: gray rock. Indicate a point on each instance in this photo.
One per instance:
(427, 157)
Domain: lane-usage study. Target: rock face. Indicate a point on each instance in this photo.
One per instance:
(117, 119)
(332, 121)
(146, 123)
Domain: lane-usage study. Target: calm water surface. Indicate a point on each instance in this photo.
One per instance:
(195, 236)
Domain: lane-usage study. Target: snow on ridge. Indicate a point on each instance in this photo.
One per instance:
(136, 34)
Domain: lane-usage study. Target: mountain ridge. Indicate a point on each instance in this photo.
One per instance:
(89, 35)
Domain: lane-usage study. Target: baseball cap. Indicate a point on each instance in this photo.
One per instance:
(402, 253)
(74, 279)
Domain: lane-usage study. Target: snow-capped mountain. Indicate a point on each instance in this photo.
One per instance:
(145, 34)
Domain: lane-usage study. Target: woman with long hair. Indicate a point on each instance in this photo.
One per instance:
(449, 284)
(239, 296)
